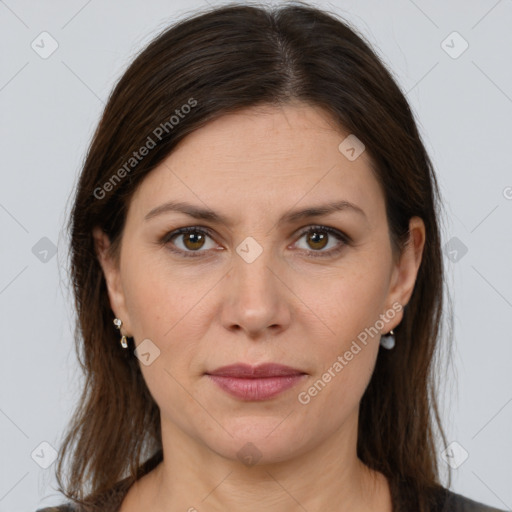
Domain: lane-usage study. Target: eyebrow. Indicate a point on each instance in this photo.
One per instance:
(288, 218)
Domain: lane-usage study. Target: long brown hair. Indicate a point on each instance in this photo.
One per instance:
(214, 62)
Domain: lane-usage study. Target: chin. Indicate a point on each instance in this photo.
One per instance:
(258, 440)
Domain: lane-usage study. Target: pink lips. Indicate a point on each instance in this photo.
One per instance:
(255, 382)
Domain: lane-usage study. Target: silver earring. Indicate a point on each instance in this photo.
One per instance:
(388, 340)
(118, 323)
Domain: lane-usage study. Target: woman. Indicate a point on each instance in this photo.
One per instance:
(256, 261)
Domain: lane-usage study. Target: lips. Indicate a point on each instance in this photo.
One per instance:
(255, 383)
(246, 371)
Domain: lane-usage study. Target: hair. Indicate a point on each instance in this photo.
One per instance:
(220, 61)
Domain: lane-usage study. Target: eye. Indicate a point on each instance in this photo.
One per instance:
(318, 237)
(192, 240)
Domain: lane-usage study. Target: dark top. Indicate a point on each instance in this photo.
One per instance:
(443, 499)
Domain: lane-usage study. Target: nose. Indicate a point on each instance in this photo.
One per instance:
(256, 300)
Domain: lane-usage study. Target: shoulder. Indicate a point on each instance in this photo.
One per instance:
(457, 503)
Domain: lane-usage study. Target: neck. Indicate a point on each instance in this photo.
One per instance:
(328, 476)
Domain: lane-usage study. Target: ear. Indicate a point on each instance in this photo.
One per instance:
(406, 270)
(111, 271)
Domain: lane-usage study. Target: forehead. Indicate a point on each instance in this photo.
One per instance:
(263, 158)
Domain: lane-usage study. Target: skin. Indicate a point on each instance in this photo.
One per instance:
(286, 306)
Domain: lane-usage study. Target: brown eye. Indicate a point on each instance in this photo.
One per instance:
(317, 239)
(189, 241)
(193, 240)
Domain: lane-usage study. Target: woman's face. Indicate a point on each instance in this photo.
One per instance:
(257, 287)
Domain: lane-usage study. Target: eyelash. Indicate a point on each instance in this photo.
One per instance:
(345, 239)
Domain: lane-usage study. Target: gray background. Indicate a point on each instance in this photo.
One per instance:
(51, 106)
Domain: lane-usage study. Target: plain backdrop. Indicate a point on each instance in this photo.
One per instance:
(454, 62)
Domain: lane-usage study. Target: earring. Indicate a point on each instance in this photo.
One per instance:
(388, 340)
(118, 323)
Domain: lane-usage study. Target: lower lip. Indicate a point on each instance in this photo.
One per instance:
(256, 389)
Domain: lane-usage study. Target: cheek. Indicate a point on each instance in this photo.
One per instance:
(349, 300)
(161, 305)
(167, 306)
(340, 388)
(349, 306)
(346, 361)
(156, 297)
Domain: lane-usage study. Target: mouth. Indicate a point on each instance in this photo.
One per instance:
(255, 383)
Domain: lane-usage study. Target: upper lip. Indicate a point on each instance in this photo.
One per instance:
(246, 371)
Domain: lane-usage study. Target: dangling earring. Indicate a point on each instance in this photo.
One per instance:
(118, 324)
(388, 340)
